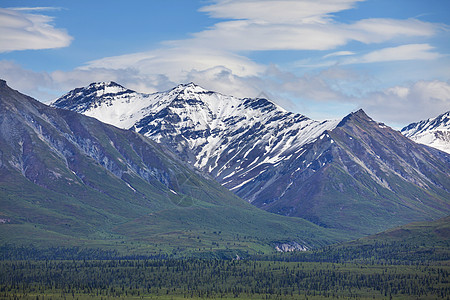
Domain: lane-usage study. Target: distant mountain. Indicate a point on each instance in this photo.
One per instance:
(67, 179)
(433, 132)
(353, 174)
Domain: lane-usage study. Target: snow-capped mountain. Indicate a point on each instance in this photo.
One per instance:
(434, 132)
(67, 179)
(354, 173)
(231, 138)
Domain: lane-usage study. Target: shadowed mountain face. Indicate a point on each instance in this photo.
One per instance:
(361, 175)
(67, 179)
(354, 174)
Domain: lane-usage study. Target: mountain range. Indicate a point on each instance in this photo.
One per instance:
(67, 179)
(353, 174)
(434, 132)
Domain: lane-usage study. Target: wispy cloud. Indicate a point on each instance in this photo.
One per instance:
(399, 53)
(176, 62)
(20, 31)
(40, 8)
(330, 88)
(279, 11)
(378, 30)
(339, 53)
(271, 25)
(297, 25)
(263, 26)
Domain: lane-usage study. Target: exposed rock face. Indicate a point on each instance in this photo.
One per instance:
(290, 247)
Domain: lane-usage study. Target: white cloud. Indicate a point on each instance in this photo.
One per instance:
(262, 26)
(19, 31)
(339, 53)
(253, 36)
(176, 62)
(47, 86)
(280, 11)
(257, 25)
(309, 86)
(40, 8)
(225, 81)
(25, 81)
(399, 53)
(378, 30)
(407, 104)
(316, 93)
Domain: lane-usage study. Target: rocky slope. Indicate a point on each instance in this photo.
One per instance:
(362, 175)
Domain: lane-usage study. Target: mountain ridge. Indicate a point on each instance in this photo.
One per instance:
(433, 132)
(67, 179)
(353, 174)
(213, 127)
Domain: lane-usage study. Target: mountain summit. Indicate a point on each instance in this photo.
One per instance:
(216, 133)
(434, 132)
(354, 174)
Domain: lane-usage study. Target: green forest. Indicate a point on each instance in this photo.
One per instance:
(200, 278)
(409, 262)
(352, 271)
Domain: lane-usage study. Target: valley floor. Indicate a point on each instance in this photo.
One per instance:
(221, 279)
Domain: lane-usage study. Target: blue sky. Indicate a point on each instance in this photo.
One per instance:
(321, 58)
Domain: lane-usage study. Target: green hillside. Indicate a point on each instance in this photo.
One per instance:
(419, 243)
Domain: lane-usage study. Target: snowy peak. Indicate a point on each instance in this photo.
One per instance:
(219, 134)
(434, 132)
(330, 172)
(109, 87)
(189, 88)
(85, 98)
(99, 89)
(440, 122)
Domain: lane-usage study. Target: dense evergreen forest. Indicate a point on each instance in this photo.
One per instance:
(370, 271)
(198, 278)
(408, 263)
